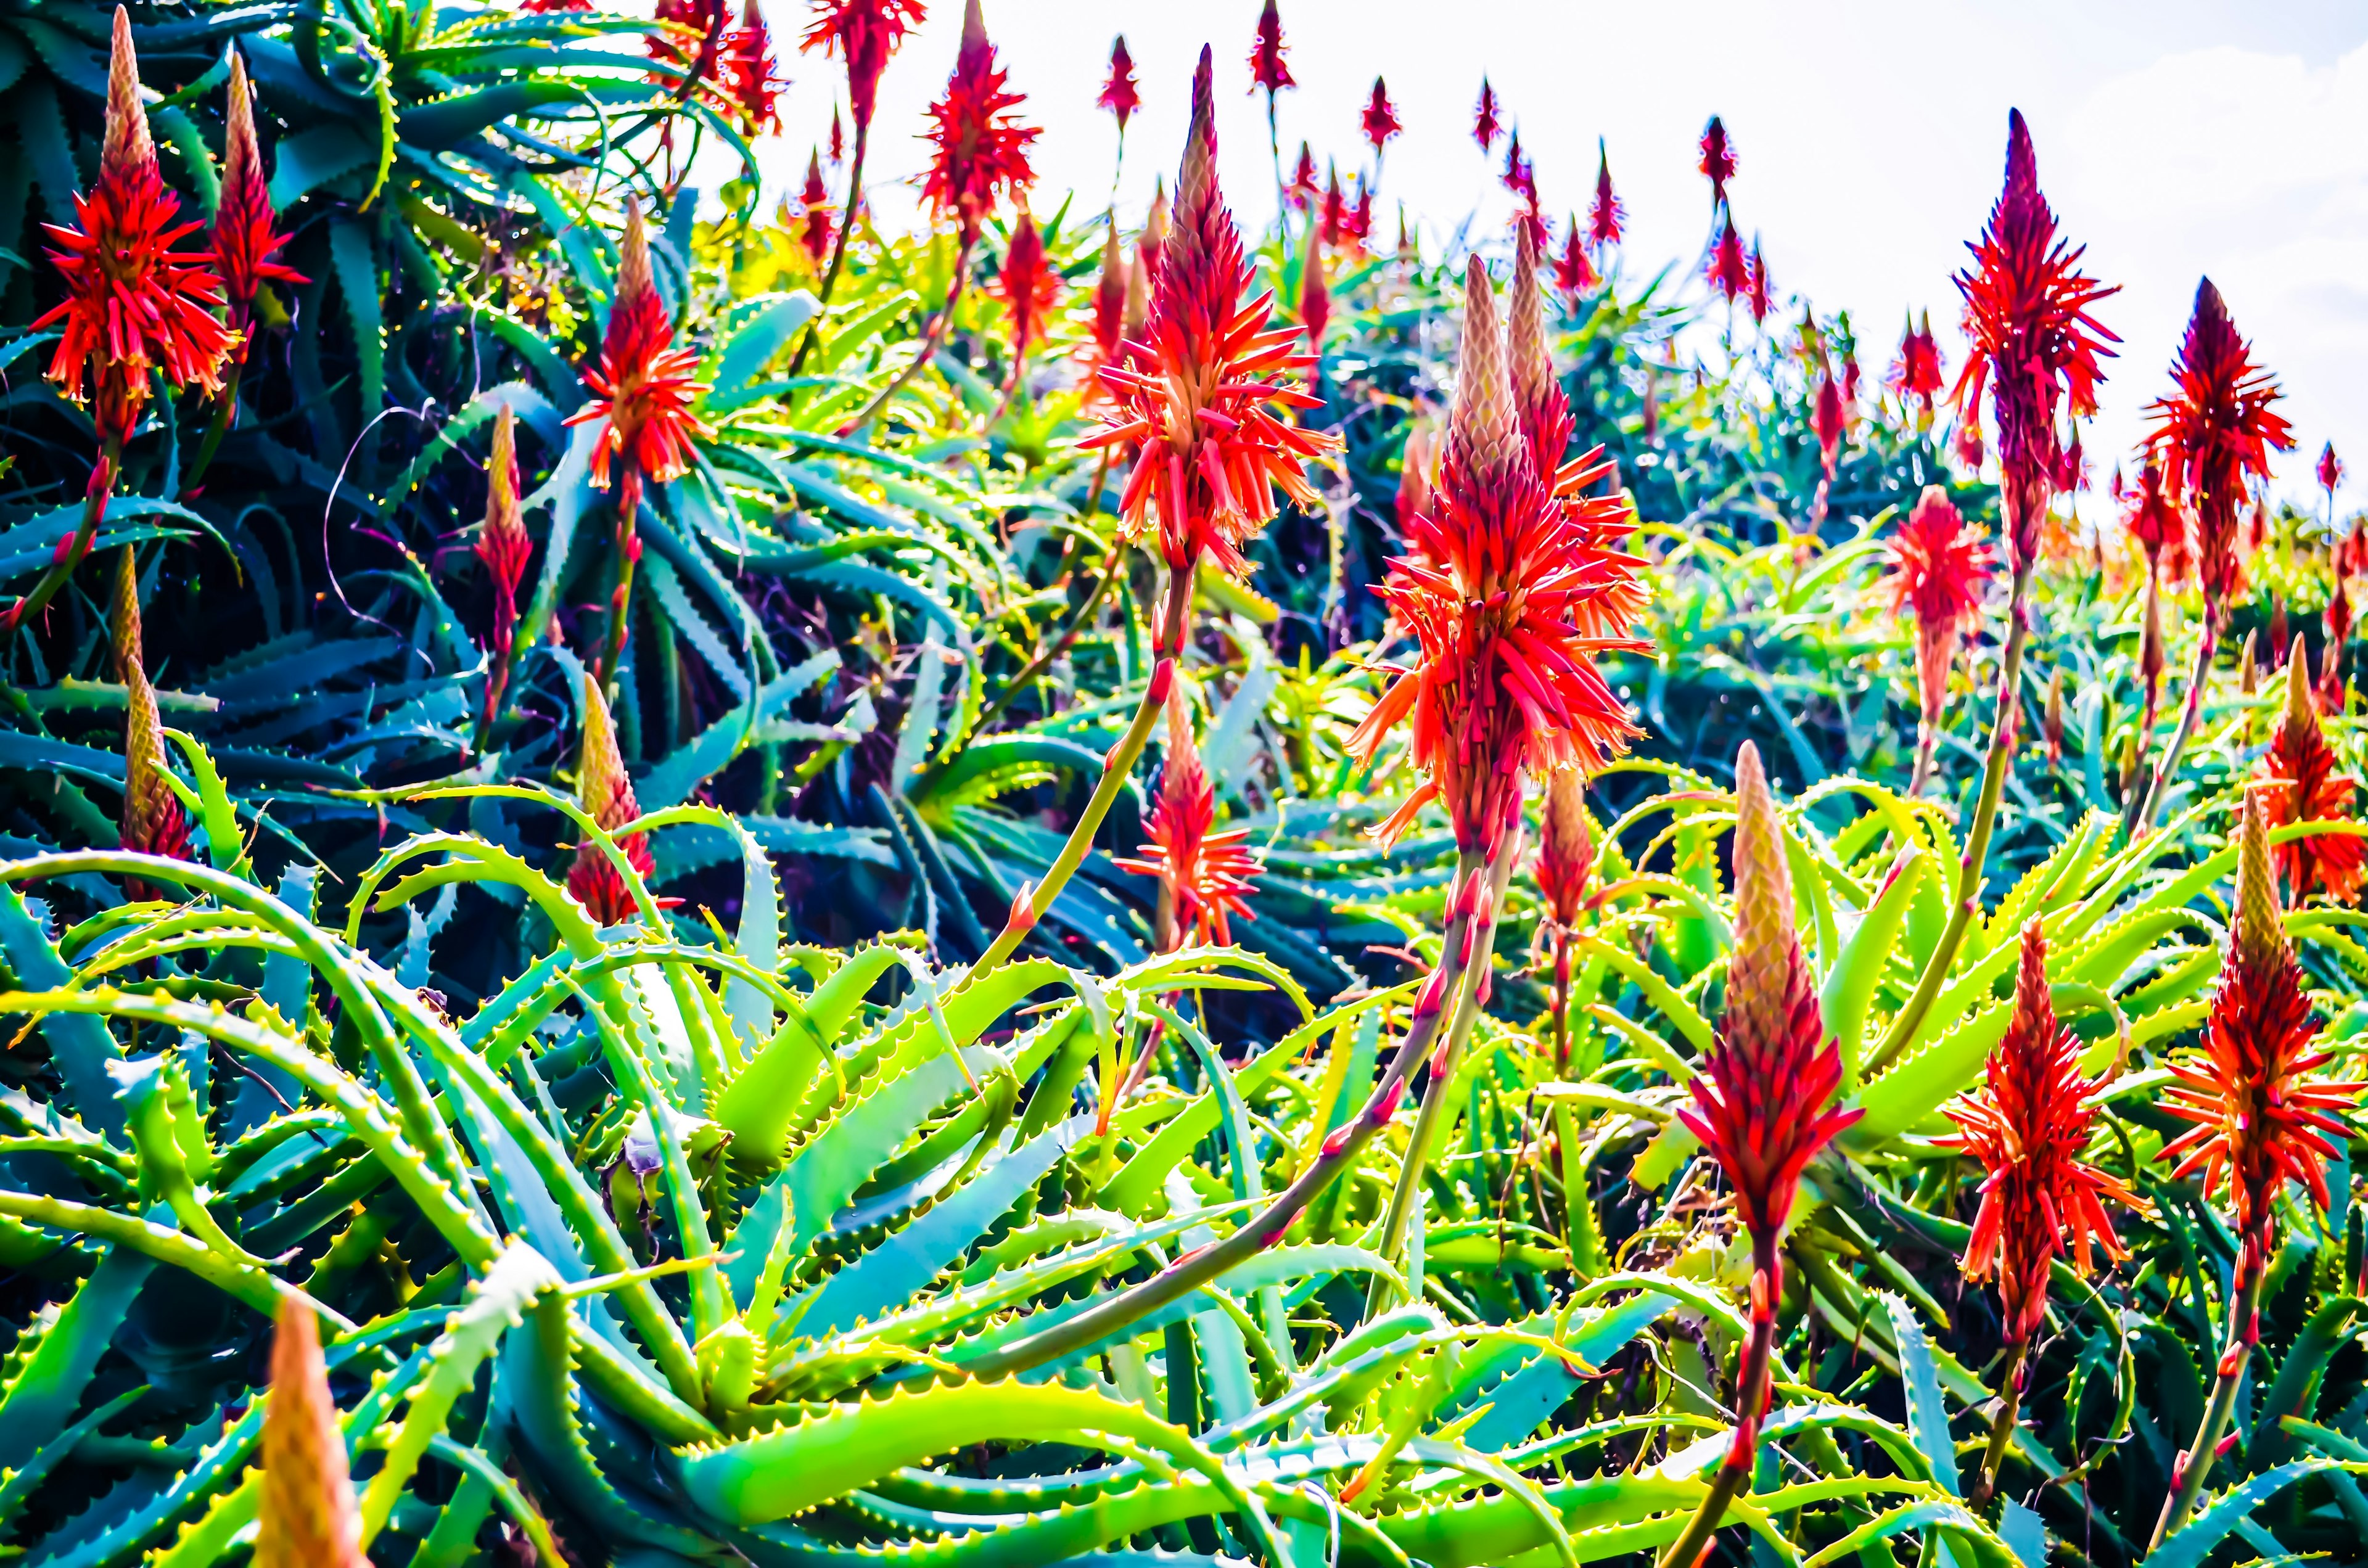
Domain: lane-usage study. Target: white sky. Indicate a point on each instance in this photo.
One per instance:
(2175, 137)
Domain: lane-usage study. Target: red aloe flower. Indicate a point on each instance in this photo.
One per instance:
(838, 149)
(1760, 302)
(154, 821)
(504, 548)
(1359, 226)
(1566, 848)
(753, 78)
(1314, 304)
(1729, 271)
(2259, 1121)
(2156, 521)
(1506, 683)
(1303, 189)
(1212, 449)
(1938, 569)
(689, 36)
(1109, 305)
(1204, 877)
(2028, 1125)
(982, 152)
(643, 386)
(305, 1512)
(1916, 372)
(2033, 343)
(1717, 159)
(1118, 94)
(1828, 422)
(1574, 272)
(1604, 216)
(2329, 472)
(2298, 780)
(132, 303)
(606, 795)
(546, 6)
(1761, 1100)
(1484, 124)
(864, 33)
(1380, 117)
(246, 235)
(1267, 69)
(1031, 288)
(814, 201)
(2214, 432)
(1332, 223)
(1515, 175)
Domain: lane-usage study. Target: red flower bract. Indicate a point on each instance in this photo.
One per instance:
(644, 387)
(1303, 187)
(1604, 216)
(1938, 569)
(1267, 69)
(864, 33)
(1314, 302)
(1761, 1100)
(1109, 305)
(1380, 117)
(2213, 433)
(2028, 1125)
(1717, 158)
(1829, 423)
(2298, 780)
(246, 232)
(982, 152)
(134, 303)
(1205, 875)
(1118, 94)
(1200, 408)
(2032, 342)
(2260, 1119)
(1498, 588)
(1485, 123)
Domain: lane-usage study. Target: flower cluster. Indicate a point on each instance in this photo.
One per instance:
(979, 151)
(305, 1512)
(1566, 848)
(864, 33)
(1486, 125)
(1938, 569)
(246, 235)
(1200, 406)
(1204, 876)
(1916, 372)
(2214, 433)
(154, 821)
(2028, 1125)
(606, 794)
(2298, 780)
(1029, 285)
(1118, 94)
(644, 387)
(1266, 68)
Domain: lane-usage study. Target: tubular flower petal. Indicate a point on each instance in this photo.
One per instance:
(1031, 288)
(1604, 217)
(753, 78)
(305, 1512)
(813, 199)
(132, 302)
(1118, 94)
(864, 33)
(245, 233)
(1717, 158)
(2027, 1124)
(1761, 1099)
(1381, 116)
(2213, 433)
(1267, 69)
(1938, 568)
(1729, 271)
(1493, 591)
(2259, 1121)
(643, 386)
(1759, 301)
(981, 152)
(2156, 522)
(1566, 848)
(2329, 472)
(1206, 875)
(1201, 408)
(2033, 342)
(1916, 372)
(606, 794)
(154, 821)
(2297, 780)
(1574, 272)
(1486, 125)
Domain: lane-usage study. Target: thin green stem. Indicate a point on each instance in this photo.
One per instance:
(2205, 651)
(1751, 1385)
(226, 411)
(2003, 1421)
(931, 335)
(2194, 1466)
(1059, 645)
(2003, 725)
(621, 599)
(102, 485)
(838, 248)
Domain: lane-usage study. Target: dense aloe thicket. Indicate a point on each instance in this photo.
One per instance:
(843, 991)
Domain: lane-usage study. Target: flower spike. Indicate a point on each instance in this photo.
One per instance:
(1118, 93)
(2213, 433)
(644, 387)
(1204, 877)
(246, 235)
(2298, 780)
(154, 821)
(304, 1512)
(606, 795)
(1267, 69)
(981, 151)
(1604, 216)
(864, 33)
(1486, 125)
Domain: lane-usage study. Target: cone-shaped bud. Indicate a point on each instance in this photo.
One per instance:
(304, 1514)
(128, 146)
(605, 792)
(154, 821)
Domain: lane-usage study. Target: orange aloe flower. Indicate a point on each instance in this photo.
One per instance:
(2027, 1124)
(643, 386)
(2260, 1120)
(1199, 407)
(246, 234)
(2156, 520)
(2034, 345)
(2213, 433)
(981, 153)
(2298, 780)
(753, 79)
(1493, 590)
(304, 1514)
(606, 795)
(1204, 877)
(1566, 848)
(1938, 568)
(1315, 303)
(132, 303)
(154, 821)
(1829, 423)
